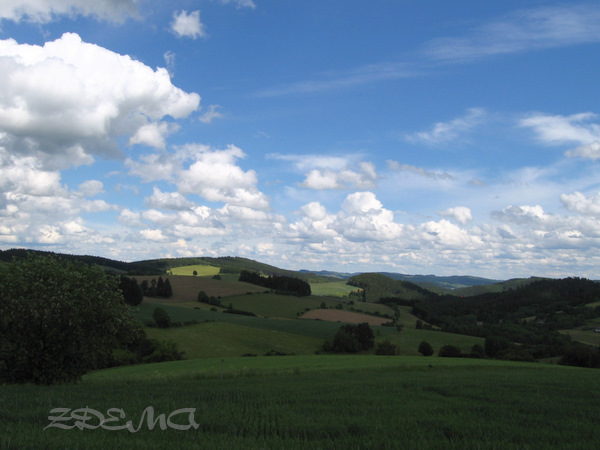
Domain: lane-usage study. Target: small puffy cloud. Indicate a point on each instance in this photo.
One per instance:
(521, 215)
(153, 134)
(556, 130)
(591, 151)
(449, 131)
(188, 25)
(363, 178)
(361, 202)
(578, 202)
(90, 188)
(333, 172)
(446, 234)
(363, 218)
(130, 218)
(168, 200)
(43, 11)
(461, 214)
(155, 235)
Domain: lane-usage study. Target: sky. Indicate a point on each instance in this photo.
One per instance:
(434, 137)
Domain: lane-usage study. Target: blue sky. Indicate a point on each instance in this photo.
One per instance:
(435, 137)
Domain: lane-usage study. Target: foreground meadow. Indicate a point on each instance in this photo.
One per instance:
(317, 401)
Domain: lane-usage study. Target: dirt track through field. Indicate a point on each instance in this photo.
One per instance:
(336, 315)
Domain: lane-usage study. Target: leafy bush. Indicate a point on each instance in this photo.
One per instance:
(494, 344)
(425, 348)
(161, 318)
(386, 348)
(353, 338)
(449, 351)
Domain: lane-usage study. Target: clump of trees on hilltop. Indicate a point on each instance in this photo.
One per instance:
(279, 283)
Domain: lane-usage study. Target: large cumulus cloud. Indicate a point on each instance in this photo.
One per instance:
(73, 97)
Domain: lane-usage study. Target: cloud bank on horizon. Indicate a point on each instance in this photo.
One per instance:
(446, 140)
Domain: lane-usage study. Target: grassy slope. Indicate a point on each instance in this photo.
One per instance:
(200, 269)
(213, 339)
(321, 402)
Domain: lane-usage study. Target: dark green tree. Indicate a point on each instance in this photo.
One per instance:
(494, 344)
(425, 348)
(386, 348)
(59, 320)
(449, 351)
(161, 318)
(353, 338)
(167, 291)
(132, 291)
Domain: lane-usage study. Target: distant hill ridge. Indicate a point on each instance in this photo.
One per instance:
(458, 284)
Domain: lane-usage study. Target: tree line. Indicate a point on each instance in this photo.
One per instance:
(279, 283)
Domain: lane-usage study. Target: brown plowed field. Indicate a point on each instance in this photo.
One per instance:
(337, 315)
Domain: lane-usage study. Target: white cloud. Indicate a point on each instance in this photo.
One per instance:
(372, 73)
(153, 134)
(43, 11)
(215, 176)
(520, 31)
(201, 170)
(188, 25)
(168, 200)
(333, 172)
(591, 151)
(71, 98)
(212, 114)
(365, 178)
(91, 188)
(396, 166)
(578, 202)
(169, 58)
(461, 214)
(557, 130)
(449, 131)
(240, 3)
(155, 235)
(521, 215)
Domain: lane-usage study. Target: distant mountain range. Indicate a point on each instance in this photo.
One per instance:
(433, 282)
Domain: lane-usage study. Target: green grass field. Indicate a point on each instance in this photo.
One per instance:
(332, 289)
(328, 402)
(214, 339)
(201, 270)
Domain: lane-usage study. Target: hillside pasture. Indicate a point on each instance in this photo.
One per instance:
(332, 289)
(339, 315)
(202, 270)
(186, 288)
(283, 306)
(213, 339)
(319, 329)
